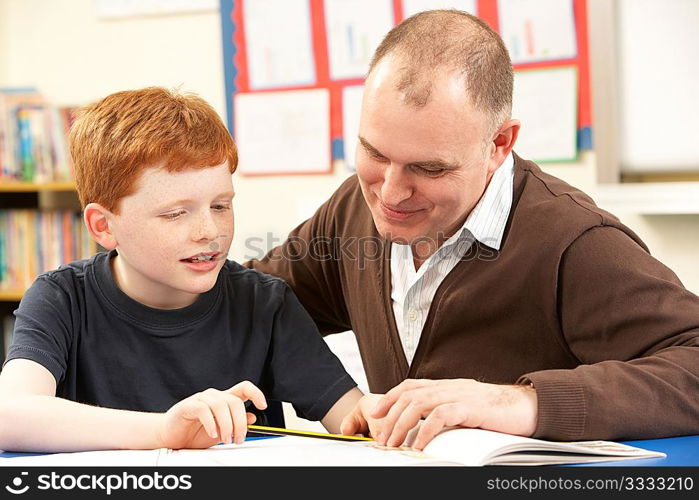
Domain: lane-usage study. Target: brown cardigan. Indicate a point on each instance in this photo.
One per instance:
(573, 302)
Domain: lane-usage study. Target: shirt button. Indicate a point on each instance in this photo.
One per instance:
(412, 315)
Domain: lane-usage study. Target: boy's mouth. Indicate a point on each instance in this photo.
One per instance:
(202, 257)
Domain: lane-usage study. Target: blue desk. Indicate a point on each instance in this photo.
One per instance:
(680, 451)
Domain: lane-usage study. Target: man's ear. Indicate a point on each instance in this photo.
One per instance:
(98, 223)
(502, 143)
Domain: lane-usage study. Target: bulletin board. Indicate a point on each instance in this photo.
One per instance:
(323, 82)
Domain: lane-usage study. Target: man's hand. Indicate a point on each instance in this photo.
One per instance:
(445, 403)
(209, 417)
(358, 421)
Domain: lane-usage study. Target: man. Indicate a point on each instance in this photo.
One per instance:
(482, 291)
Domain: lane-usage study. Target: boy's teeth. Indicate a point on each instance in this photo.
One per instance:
(202, 257)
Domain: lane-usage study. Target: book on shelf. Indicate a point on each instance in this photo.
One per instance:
(470, 447)
(33, 137)
(35, 241)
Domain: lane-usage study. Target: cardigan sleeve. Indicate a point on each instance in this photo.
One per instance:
(635, 331)
(309, 262)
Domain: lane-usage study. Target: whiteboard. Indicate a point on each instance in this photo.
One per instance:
(658, 73)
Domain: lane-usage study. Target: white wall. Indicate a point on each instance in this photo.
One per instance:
(4, 49)
(73, 58)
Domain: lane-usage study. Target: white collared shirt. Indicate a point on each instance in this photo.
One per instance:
(412, 291)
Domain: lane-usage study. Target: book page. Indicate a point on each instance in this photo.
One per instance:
(482, 447)
(297, 452)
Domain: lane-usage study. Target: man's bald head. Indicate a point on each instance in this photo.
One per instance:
(451, 41)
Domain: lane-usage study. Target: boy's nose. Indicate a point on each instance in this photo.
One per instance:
(205, 229)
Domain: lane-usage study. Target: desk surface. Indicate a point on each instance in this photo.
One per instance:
(680, 451)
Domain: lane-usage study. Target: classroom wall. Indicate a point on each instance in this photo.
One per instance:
(73, 58)
(4, 49)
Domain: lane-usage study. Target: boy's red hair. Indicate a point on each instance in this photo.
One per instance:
(113, 140)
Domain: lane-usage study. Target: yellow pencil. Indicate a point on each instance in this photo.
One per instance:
(278, 431)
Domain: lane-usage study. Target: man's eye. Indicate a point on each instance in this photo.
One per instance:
(377, 156)
(433, 172)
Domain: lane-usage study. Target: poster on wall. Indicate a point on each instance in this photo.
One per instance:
(283, 132)
(278, 42)
(283, 46)
(353, 35)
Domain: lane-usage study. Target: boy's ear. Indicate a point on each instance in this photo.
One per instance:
(97, 220)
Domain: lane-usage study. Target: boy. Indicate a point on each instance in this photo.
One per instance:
(160, 341)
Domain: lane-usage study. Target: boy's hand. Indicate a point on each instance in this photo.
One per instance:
(210, 417)
(358, 421)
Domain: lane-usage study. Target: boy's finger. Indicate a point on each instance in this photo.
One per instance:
(219, 408)
(240, 419)
(349, 425)
(248, 391)
(203, 413)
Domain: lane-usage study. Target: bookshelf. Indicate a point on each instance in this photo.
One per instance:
(49, 197)
(35, 187)
(40, 222)
(36, 201)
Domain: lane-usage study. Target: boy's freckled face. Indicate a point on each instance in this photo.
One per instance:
(173, 235)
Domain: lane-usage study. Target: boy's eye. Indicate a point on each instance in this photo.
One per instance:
(173, 215)
(221, 208)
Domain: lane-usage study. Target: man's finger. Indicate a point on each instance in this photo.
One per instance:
(389, 399)
(447, 415)
(408, 419)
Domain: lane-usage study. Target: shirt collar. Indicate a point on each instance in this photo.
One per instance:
(488, 219)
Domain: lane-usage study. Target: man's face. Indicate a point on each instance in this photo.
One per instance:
(421, 169)
(172, 218)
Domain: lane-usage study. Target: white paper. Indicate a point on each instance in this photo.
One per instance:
(354, 30)
(546, 103)
(283, 132)
(351, 109)
(538, 30)
(297, 452)
(278, 43)
(411, 7)
(108, 458)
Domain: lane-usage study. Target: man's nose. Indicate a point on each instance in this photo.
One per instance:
(396, 186)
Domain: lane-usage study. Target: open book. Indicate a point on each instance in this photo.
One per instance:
(481, 447)
(451, 447)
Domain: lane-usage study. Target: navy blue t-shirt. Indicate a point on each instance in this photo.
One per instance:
(107, 349)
